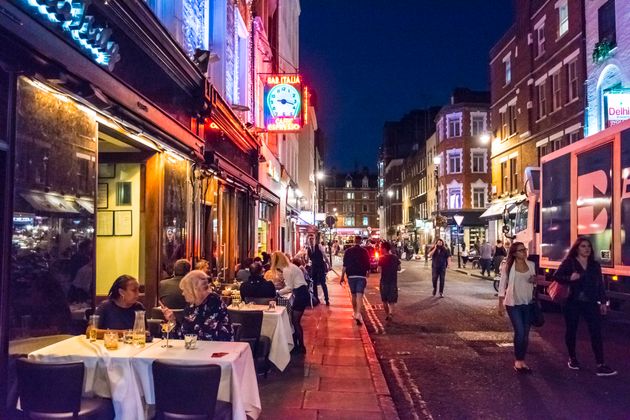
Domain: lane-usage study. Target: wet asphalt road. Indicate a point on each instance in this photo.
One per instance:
(452, 358)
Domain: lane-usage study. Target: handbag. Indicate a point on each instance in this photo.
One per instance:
(537, 317)
(558, 292)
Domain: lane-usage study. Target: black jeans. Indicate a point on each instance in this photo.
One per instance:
(319, 277)
(438, 273)
(485, 265)
(520, 315)
(590, 311)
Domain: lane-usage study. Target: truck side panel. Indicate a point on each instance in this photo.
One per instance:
(556, 208)
(625, 197)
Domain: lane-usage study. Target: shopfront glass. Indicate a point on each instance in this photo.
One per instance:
(175, 213)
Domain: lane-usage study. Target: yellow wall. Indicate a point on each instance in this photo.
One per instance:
(116, 255)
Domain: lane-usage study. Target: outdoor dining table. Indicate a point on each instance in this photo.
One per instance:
(277, 327)
(125, 375)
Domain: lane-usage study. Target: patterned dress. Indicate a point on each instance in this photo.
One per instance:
(209, 321)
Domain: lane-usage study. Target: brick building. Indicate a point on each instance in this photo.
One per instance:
(352, 199)
(462, 144)
(537, 73)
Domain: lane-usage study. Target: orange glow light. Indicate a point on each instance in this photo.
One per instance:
(615, 278)
(283, 124)
(305, 105)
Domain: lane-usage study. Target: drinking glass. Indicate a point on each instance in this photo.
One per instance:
(190, 341)
(111, 340)
(167, 327)
(128, 337)
(272, 305)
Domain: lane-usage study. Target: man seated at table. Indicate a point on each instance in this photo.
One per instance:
(118, 312)
(169, 291)
(243, 272)
(205, 315)
(257, 286)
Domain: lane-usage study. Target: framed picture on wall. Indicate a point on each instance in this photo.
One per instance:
(102, 196)
(104, 223)
(123, 193)
(123, 224)
(107, 170)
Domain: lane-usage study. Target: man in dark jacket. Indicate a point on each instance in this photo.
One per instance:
(256, 286)
(356, 265)
(440, 259)
(319, 266)
(169, 291)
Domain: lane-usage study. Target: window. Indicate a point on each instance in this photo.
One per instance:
(507, 62)
(574, 136)
(348, 221)
(453, 125)
(504, 176)
(365, 196)
(348, 208)
(477, 123)
(563, 18)
(455, 197)
(555, 92)
(365, 182)
(478, 160)
(513, 174)
(350, 196)
(479, 197)
(504, 132)
(454, 162)
(365, 221)
(364, 208)
(512, 118)
(542, 101)
(572, 79)
(606, 22)
(540, 39)
(348, 183)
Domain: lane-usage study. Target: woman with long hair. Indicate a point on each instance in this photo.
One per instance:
(295, 283)
(516, 296)
(587, 298)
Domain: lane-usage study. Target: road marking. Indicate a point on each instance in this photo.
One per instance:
(376, 323)
(409, 389)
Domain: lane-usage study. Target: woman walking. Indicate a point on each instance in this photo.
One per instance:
(515, 295)
(587, 298)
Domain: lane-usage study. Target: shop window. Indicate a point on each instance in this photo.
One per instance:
(348, 221)
(365, 221)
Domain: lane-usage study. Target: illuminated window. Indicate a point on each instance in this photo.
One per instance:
(348, 221)
(454, 125)
(365, 221)
(348, 183)
(542, 101)
(454, 196)
(477, 123)
(507, 62)
(563, 17)
(350, 196)
(572, 79)
(454, 161)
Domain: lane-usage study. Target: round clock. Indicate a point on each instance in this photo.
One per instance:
(284, 101)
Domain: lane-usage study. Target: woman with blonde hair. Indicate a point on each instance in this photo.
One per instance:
(206, 315)
(295, 283)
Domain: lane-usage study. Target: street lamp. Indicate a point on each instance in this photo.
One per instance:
(437, 160)
(458, 219)
(390, 194)
(484, 138)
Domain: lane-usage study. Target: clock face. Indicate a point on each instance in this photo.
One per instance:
(284, 101)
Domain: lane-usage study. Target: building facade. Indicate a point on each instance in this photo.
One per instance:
(463, 165)
(607, 63)
(537, 73)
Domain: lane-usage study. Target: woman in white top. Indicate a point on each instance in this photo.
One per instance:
(516, 296)
(295, 283)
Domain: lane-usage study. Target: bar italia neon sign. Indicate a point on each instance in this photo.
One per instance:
(283, 103)
(70, 16)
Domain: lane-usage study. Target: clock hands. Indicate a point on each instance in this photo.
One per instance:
(284, 102)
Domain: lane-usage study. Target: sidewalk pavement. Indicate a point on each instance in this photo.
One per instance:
(338, 378)
(468, 270)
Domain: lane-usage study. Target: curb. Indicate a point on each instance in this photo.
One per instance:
(469, 274)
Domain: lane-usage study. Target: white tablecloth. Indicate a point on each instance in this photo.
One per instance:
(277, 326)
(125, 374)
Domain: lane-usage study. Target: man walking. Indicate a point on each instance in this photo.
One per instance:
(499, 254)
(390, 264)
(316, 254)
(440, 259)
(356, 265)
(485, 257)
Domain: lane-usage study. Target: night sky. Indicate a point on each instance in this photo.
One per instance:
(372, 61)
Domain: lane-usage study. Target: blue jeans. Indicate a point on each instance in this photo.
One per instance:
(520, 315)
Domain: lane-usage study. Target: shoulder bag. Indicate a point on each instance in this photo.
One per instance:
(558, 292)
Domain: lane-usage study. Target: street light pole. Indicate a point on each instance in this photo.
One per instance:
(390, 194)
(436, 162)
(458, 219)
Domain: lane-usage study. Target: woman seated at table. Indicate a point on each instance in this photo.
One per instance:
(256, 286)
(295, 283)
(118, 312)
(206, 316)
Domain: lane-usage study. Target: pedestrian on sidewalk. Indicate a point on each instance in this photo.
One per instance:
(356, 265)
(316, 254)
(516, 290)
(295, 283)
(440, 260)
(390, 264)
(587, 298)
(499, 254)
(485, 257)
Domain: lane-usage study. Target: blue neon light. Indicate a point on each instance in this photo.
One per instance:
(71, 17)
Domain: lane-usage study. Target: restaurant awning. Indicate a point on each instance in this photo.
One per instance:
(49, 202)
(496, 209)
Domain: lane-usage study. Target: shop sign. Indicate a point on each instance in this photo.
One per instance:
(617, 107)
(71, 18)
(283, 102)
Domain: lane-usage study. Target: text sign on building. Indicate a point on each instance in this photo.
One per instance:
(617, 107)
(70, 17)
(283, 102)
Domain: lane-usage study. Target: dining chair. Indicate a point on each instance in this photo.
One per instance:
(249, 331)
(188, 392)
(36, 380)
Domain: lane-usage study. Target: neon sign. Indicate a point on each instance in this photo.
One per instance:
(70, 17)
(617, 105)
(283, 103)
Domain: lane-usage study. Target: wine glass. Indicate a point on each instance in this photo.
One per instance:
(167, 327)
